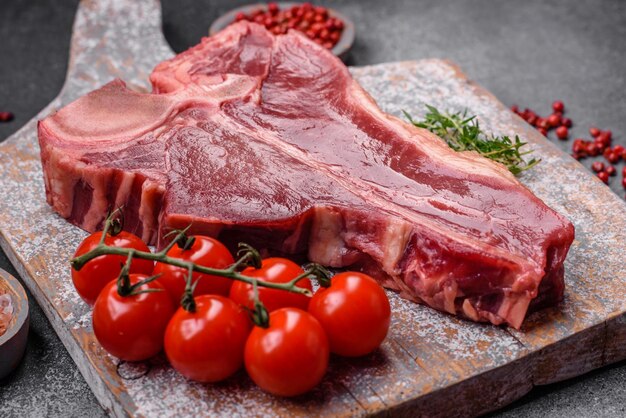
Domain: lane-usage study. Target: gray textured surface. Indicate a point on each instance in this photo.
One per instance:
(533, 54)
(47, 383)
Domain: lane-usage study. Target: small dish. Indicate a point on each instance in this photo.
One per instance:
(13, 341)
(340, 49)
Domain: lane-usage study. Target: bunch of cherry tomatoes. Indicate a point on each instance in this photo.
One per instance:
(211, 336)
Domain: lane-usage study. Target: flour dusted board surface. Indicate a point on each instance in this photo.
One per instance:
(431, 362)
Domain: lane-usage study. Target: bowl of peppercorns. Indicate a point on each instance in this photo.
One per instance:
(325, 26)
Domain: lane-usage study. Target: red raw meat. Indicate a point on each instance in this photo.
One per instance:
(268, 140)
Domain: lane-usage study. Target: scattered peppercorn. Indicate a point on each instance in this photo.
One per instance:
(578, 148)
(612, 157)
(599, 145)
(554, 120)
(558, 106)
(562, 132)
(315, 22)
(6, 116)
(610, 170)
(603, 139)
(593, 149)
(597, 166)
(544, 125)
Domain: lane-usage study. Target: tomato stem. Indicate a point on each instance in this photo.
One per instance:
(114, 224)
(319, 272)
(247, 255)
(230, 272)
(123, 279)
(260, 316)
(124, 288)
(184, 241)
(187, 301)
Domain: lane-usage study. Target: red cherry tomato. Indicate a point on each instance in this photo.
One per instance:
(291, 356)
(207, 345)
(98, 272)
(354, 311)
(132, 327)
(205, 251)
(275, 270)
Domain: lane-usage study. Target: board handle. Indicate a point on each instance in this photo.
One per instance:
(114, 39)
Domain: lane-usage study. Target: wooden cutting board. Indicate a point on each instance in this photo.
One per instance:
(431, 364)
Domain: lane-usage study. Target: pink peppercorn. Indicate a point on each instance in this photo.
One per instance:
(592, 149)
(562, 132)
(613, 157)
(554, 120)
(272, 8)
(610, 170)
(558, 106)
(579, 147)
(597, 166)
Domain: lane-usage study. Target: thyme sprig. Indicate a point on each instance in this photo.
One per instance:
(463, 133)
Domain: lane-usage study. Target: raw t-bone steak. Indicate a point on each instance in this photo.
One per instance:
(268, 140)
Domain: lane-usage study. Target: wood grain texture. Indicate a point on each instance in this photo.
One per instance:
(431, 363)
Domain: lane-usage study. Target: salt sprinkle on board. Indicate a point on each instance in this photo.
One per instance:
(431, 362)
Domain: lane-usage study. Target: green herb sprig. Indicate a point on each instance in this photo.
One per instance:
(463, 133)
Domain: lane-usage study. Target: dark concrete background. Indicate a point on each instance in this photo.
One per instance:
(529, 53)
